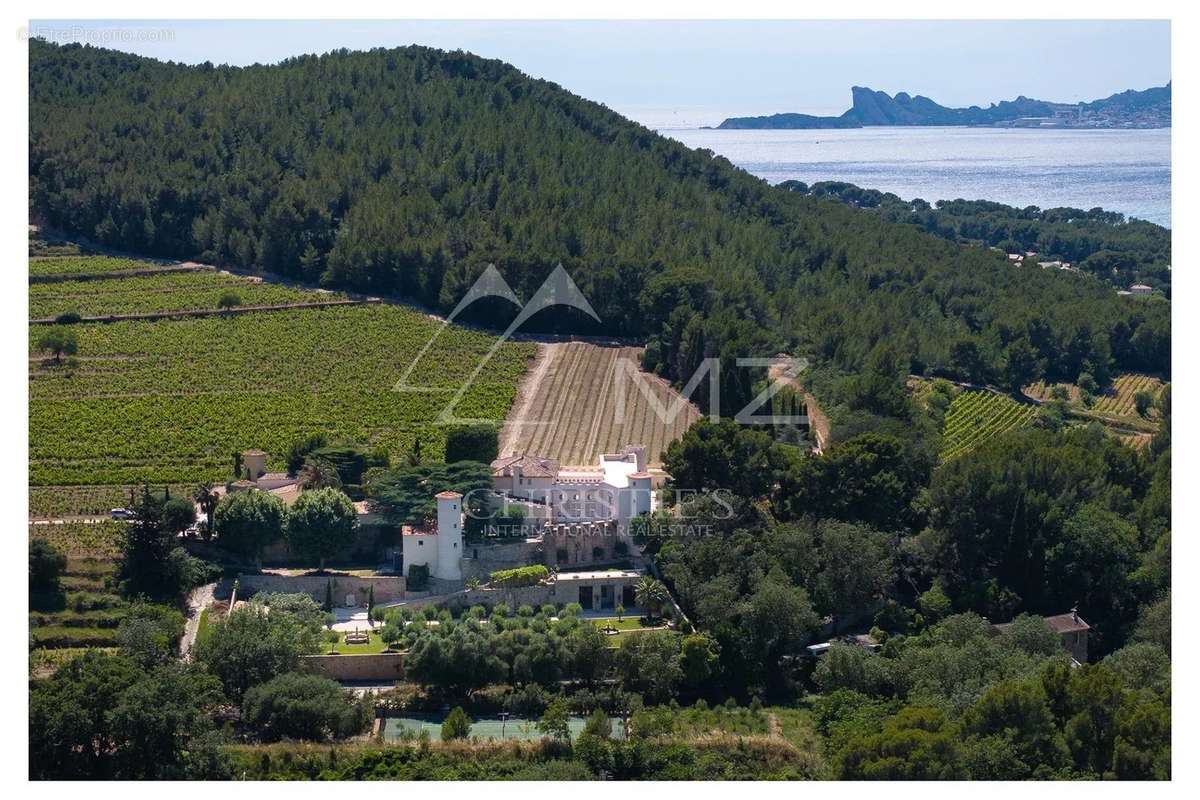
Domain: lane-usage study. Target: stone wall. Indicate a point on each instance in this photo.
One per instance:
(369, 540)
(481, 560)
(560, 546)
(584, 544)
(558, 592)
(387, 587)
(380, 667)
(514, 598)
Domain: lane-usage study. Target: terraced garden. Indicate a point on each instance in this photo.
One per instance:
(174, 291)
(171, 401)
(86, 614)
(977, 416)
(87, 611)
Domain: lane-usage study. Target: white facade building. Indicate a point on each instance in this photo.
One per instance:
(618, 489)
(441, 549)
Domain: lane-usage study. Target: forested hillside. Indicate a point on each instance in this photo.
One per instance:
(407, 170)
(1103, 244)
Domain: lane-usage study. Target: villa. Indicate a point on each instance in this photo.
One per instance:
(617, 489)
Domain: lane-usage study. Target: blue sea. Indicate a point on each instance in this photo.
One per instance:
(1119, 170)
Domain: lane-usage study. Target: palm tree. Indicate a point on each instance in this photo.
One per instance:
(206, 497)
(318, 474)
(650, 594)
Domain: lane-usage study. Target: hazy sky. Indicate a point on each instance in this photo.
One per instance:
(690, 73)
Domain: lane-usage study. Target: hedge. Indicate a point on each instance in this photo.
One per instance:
(521, 576)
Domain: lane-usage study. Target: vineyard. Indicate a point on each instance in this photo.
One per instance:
(86, 265)
(1117, 401)
(1114, 402)
(977, 416)
(57, 502)
(171, 401)
(94, 540)
(568, 408)
(177, 291)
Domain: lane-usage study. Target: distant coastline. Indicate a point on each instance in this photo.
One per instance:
(1132, 109)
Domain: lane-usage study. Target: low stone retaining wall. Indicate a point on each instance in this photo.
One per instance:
(562, 590)
(345, 587)
(377, 667)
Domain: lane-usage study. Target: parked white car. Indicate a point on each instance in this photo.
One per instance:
(120, 513)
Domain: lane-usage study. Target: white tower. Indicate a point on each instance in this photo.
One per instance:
(450, 537)
(642, 493)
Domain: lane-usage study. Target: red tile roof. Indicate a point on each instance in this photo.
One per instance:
(1067, 623)
(1070, 622)
(530, 466)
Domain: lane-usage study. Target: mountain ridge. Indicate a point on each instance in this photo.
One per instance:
(1133, 108)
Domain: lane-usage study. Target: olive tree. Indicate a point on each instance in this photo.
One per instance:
(60, 341)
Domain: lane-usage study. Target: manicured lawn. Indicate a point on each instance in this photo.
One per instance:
(629, 623)
(627, 626)
(376, 645)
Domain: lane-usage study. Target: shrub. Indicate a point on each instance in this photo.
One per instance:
(598, 725)
(418, 576)
(1142, 402)
(554, 722)
(149, 633)
(457, 725)
(46, 566)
